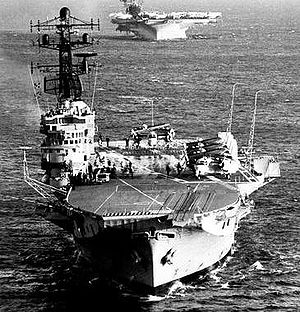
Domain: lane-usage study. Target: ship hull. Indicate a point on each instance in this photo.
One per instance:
(149, 248)
(160, 30)
(153, 261)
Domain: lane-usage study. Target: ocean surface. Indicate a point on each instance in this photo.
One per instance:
(190, 83)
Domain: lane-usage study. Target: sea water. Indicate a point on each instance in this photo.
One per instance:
(189, 83)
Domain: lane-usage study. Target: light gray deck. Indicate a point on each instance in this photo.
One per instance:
(151, 194)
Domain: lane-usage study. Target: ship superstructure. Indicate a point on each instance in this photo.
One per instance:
(145, 210)
(69, 125)
(159, 26)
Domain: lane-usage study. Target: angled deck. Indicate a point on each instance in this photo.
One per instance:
(152, 195)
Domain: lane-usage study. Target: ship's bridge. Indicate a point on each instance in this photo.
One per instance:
(67, 112)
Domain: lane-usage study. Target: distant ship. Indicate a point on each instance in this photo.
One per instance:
(159, 26)
(146, 210)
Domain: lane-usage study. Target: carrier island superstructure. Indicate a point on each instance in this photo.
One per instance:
(147, 210)
(159, 26)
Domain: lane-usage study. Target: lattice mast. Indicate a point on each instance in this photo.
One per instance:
(250, 148)
(63, 78)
